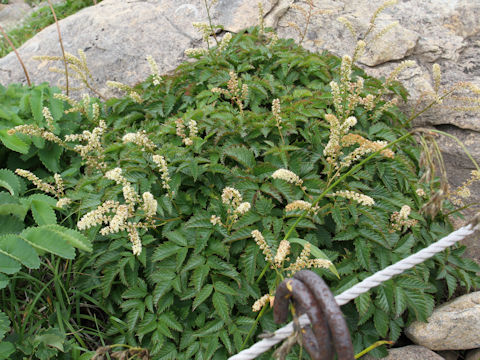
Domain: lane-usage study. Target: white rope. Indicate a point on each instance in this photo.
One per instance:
(362, 287)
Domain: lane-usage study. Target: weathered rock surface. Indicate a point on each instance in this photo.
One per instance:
(15, 12)
(411, 352)
(117, 35)
(452, 326)
(473, 355)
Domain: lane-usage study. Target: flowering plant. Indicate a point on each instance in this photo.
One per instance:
(200, 191)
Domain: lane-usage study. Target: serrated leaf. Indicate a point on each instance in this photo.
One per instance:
(57, 240)
(9, 181)
(248, 261)
(43, 213)
(36, 105)
(50, 156)
(220, 286)
(210, 328)
(16, 248)
(381, 319)
(316, 253)
(242, 155)
(400, 300)
(165, 250)
(8, 265)
(202, 295)
(160, 290)
(221, 306)
(199, 275)
(132, 318)
(177, 237)
(362, 251)
(11, 205)
(13, 142)
(10, 224)
(6, 349)
(363, 303)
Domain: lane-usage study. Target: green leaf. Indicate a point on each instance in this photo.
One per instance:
(400, 300)
(4, 325)
(202, 295)
(363, 303)
(50, 156)
(52, 338)
(8, 265)
(16, 248)
(316, 252)
(199, 275)
(380, 319)
(220, 286)
(177, 237)
(11, 205)
(9, 181)
(221, 306)
(57, 240)
(10, 224)
(165, 250)
(36, 105)
(6, 349)
(13, 142)
(242, 155)
(43, 213)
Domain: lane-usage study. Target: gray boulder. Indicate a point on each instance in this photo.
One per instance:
(452, 326)
(411, 352)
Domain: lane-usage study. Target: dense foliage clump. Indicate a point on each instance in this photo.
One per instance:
(177, 185)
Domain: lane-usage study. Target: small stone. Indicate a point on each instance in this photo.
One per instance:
(452, 326)
(411, 352)
(473, 355)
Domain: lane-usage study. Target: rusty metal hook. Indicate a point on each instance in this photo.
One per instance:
(312, 296)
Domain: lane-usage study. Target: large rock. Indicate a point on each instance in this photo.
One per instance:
(411, 352)
(117, 35)
(452, 326)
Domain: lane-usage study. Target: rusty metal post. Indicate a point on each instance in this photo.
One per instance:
(328, 334)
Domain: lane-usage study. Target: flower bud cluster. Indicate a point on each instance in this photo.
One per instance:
(180, 130)
(154, 70)
(237, 93)
(128, 89)
(236, 208)
(57, 190)
(282, 253)
(463, 191)
(162, 164)
(260, 303)
(399, 219)
(303, 261)
(352, 195)
(34, 130)
(262, 244)
(288, 176)
(92, 152)
(139, 138)
(301, 205)
(116, 216)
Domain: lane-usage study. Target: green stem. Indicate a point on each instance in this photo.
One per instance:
(371, 347)
(348, 173)
(254, 326)
(262, 273)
